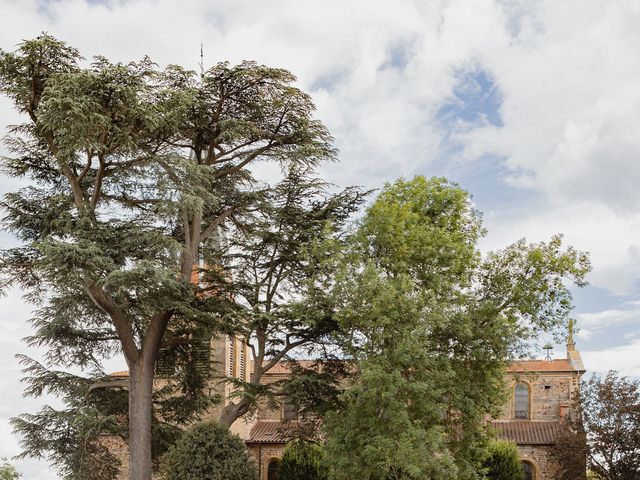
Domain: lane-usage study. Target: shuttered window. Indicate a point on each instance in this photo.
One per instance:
(242, 361)
(232, 355)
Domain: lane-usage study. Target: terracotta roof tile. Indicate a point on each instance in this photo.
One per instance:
(273, 431)
(528, 432)
(557, 365)
(284, 367)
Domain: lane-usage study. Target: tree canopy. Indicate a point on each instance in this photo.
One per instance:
(430, 325)
(610, 419)
(145, 232)
(208, 451)
(8, 471)
(134, 173)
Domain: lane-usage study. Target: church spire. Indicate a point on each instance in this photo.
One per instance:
(571, 345)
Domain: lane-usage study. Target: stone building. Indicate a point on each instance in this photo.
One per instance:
(541, 398)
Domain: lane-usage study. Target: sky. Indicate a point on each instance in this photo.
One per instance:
(532, 106)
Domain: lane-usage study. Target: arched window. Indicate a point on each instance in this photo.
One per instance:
(522, 401)
(272, 469)
(528, 471)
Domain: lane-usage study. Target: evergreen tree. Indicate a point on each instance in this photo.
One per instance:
(430, 325)
(132, 173)
(282, 260)
(503, 461)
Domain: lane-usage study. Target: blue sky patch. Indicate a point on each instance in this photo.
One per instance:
(476, 101)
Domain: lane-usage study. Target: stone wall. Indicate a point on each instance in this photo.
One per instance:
(118, 447)
(263, 453)
(539, 456)
(550, 394)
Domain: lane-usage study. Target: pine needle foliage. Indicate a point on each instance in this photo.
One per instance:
(134, 176)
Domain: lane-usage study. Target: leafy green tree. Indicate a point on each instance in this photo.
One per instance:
(8, 471)
(132, 175)
(208, 451)
(303, 460)
(609, 409)
(570, 451)
(430, 325)
(503, 461)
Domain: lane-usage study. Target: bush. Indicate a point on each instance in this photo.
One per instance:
(208, 451)
(503, 461)
(302, 460)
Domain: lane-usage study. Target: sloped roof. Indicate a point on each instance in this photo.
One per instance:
(520, 366)
(556, 365)
(273, 431)
(528, 432)
(284, 367)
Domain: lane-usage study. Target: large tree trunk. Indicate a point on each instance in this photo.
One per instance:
(233, 411)
(140, 408)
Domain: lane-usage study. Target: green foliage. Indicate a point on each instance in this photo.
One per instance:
(430, 324)
(610, 418)
(303, 460)
(503, 461)
(570, 452)
(207, 451)
(8, 471)
(70, 437)
(134, 174)
(282, 262)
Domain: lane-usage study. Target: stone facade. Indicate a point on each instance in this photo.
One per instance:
(265, 454)
(546, 388)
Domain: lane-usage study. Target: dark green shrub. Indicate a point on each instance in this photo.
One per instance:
(302, 460)
(503, 461)
(208, 451)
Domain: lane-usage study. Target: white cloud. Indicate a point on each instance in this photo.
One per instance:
(379, 71)
(570, 104)
(625, 359)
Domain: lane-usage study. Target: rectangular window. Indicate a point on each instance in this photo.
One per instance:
(290, 411)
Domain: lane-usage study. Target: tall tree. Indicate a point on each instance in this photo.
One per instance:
(610, 419)
(282, 262)
(132, 171)
(431, 324)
